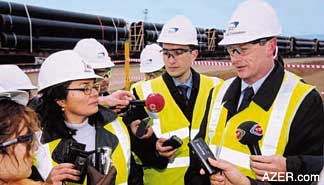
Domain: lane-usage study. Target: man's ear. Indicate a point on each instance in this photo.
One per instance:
(61, 103)
(195, 53)
(272, 47)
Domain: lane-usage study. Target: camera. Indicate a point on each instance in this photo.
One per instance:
(201, 150)
(101, 159)
(70, 151)
(173, 141)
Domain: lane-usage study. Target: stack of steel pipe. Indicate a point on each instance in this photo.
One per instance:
(42, 29)
(214, 36)
(143, 33)
(320, 46)
(284, 45)
(303, 46)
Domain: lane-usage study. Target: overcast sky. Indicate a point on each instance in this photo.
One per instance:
(298, 17)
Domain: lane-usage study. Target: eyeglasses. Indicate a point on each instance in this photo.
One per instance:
(243, 50)
(5, 97)
(87, 89)
(174, 53)
(20, 139)
(106, 73)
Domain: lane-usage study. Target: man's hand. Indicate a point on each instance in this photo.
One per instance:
(229, 175)
(62, 172)
(134, 125)
(118, 99)
(262, 164)
(165, 151)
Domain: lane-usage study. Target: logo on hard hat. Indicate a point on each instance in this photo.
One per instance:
(173, 30)
(233, 25)
(148, 61)
(100, 55)
(87, 67)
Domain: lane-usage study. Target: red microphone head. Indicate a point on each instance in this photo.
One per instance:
(154, 102)
(249, 132)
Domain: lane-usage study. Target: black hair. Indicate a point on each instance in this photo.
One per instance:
(51, 115)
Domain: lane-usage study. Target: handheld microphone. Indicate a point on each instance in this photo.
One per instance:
(154, 102)
(249, 133)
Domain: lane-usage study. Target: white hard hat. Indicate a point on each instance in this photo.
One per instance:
(151, 59)
(64, 66)
(178, 30)
(13, 78)
(94, 53)
(18, 96)
(252, 20)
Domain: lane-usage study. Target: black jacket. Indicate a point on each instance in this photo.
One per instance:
(307, 128)
(103, 138)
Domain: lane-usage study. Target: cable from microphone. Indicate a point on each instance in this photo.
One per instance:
(249, 133)
(154, 102)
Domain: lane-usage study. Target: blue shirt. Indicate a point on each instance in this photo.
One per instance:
(188, 83)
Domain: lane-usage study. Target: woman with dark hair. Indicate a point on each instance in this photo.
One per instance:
(18, 125)
(73, 124)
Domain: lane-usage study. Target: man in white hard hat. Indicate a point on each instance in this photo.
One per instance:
(13, 78)
(152, 65)
(97, 56)
(151, 62)
(18, 96)
(289, 111)
(185, 92)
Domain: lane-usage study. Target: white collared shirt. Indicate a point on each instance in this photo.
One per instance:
(256, 86)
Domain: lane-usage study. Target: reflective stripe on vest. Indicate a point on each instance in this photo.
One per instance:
(179, 162)
(44, 154)
(118, 128)
(276, 124)
(217, 106)
(280, 107)
(43, 160)
(123, 140)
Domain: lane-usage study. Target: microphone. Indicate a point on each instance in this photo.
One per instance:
(154, 102)
(249, 133)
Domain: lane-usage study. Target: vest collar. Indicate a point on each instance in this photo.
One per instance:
(268, 89)
(169, 81)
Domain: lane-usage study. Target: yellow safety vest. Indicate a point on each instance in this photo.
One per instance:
(120, 156)
(135, 84)
(171, 121)
(275, 123)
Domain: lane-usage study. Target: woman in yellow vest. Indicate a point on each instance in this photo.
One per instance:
(73, 124)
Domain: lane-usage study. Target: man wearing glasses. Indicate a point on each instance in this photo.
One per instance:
(289, 111)
(185, 92)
